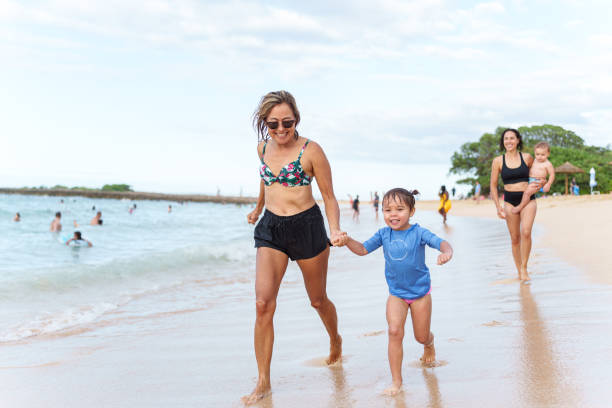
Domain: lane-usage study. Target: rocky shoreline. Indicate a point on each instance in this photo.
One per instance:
(130, 195)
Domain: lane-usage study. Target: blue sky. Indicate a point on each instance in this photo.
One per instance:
(159, 94)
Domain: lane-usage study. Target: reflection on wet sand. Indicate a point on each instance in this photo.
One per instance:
(541, 377)
(448, 230)
(435, 397)
(341, 396)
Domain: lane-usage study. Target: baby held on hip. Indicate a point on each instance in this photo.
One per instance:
(539, 171)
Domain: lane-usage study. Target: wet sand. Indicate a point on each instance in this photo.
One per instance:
(498, 343)
(577, 228)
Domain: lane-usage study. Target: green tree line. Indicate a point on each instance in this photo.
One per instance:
(473, 160)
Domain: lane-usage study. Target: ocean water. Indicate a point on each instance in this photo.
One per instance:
(160, 312)
(47, 288)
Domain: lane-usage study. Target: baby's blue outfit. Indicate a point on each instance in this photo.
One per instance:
(405, 269)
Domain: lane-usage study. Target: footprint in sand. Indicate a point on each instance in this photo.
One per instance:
(433, 364)
(505, 281)
(494, 323)
(455, 340)
(321, 362)
(374, 333)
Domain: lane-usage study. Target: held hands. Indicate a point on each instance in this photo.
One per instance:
(546, 188)
(339, 238)
(253, 216)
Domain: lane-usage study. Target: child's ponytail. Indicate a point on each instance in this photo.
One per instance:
(402, 195)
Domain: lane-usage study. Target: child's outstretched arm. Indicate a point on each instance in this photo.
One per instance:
(446, 253)
(356, 247)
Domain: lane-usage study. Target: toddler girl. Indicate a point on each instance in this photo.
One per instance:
(407, 276)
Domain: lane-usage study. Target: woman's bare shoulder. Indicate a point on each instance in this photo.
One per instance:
(313, 149)
(260, 146)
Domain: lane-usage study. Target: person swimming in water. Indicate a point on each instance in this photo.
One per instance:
(56, 224)
(78, 239)
(17, 217)
(97, 219)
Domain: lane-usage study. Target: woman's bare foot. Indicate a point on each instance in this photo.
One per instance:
(524, 276)
(393, 390)
(429, 352)
(335, 351)
(261, 391)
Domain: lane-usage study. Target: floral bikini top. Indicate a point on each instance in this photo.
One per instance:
(292, 175)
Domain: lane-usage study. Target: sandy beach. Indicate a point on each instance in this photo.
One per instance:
(498, 343)
(576, 228)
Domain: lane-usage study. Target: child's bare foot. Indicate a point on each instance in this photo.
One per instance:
(261, 391)
(335, 350)
(429, 352)
(393, 390)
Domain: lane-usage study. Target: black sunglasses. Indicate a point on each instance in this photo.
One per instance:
(287, 124)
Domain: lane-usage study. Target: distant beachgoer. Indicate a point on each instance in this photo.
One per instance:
(407, 276)
(540, 169)
(97, 219)
(56, 224)
(575, 190)
(93, 208)
(445, 203)
(477, 192)
(355, 206)
(169, 208)
(79, 240)
(292, 226)
(514, 166)
(453, 191)
(376, 203)
(17, 217)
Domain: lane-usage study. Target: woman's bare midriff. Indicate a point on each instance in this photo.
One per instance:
(285, 201)
(522, 186)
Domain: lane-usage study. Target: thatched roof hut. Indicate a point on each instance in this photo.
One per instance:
(567, 168)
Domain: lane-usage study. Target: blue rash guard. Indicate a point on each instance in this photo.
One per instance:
(405, 269)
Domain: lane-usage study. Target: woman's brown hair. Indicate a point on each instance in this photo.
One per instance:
(269, 101)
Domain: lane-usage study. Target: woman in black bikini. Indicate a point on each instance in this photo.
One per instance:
(514, 169)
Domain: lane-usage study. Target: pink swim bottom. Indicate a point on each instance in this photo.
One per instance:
(409, 301)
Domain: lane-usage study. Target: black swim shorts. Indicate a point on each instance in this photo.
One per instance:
(514, 197)
(300, 236)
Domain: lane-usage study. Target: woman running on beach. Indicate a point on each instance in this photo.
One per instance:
(445, 203)
(292, 226)
(514, 169)
(407, 276)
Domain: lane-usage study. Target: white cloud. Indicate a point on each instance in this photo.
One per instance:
(492, 7)
(390, 82)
